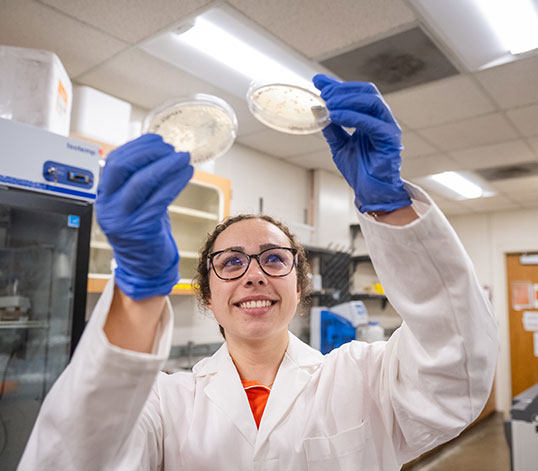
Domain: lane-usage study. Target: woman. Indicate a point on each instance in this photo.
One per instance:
(363, 406)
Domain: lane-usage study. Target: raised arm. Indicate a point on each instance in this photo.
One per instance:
(434, 375)
(139, 181)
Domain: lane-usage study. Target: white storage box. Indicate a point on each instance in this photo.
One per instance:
(35, 89)
(99, 116)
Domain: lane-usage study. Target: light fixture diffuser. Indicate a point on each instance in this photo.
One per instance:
(459, 184)
(456, 185)
(482, 33)
(227, 50)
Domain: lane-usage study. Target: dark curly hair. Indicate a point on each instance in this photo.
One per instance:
(201, 280)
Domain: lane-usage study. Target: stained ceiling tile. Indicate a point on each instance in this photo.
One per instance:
(439, 102)
(493, 155)
(397, 62)
(24, 23)
(280, 144)
(525, 119)
(317, 28)
(512, 84)
(473, 132)
(127, 20)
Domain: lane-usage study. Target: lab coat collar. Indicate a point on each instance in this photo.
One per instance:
(226, 391)
(301, 354)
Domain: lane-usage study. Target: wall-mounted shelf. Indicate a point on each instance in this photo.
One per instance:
(97, 283)
(24, 324)
(361, 258)
(370, 296)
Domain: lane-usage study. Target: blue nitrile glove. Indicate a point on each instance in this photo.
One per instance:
(139, 181)
(369, 159)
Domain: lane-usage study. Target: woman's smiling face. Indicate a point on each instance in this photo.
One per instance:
(255, 306)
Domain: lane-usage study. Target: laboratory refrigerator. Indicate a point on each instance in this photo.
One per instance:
(47, 187)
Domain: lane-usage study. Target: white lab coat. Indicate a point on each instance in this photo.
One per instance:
(361, 407)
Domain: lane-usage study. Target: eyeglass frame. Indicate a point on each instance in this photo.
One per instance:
(212, 255)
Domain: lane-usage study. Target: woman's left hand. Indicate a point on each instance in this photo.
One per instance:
(369, 159)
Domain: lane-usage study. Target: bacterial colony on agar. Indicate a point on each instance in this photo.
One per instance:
(203, 125)
(288, 108)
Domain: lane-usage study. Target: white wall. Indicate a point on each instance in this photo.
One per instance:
(487, 238)
(333, 210)
(283, 186)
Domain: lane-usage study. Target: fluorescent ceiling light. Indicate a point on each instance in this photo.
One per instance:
(482, 33)
(223, 46)
(225, 49)
(514, 21)
(456, 185)
(459, 184)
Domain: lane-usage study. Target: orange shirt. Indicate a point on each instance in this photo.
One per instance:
(257, 394)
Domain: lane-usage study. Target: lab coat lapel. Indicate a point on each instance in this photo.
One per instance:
(293, 375)
(226, 392)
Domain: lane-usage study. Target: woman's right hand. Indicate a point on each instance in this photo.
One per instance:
(139, 181)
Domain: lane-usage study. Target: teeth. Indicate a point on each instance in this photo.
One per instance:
(254, 304)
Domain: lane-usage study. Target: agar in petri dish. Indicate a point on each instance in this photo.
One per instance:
(288, 108)
(204, 125)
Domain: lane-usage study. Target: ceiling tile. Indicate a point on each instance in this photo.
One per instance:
(448, 206)
(439, 102)
(321, 159)
(128, 20)
(534, 144)
(525, 119)
(493, 155)
(415, 146)
(317, 28)
(473, 132)
(514, 186)
(421, 166)
(491, 204)
(247, 123)
(24, 23)
(141, 79)
(131, 74)
(512, 84)
(280, 144)
(531, 204)
(451, 208)
(526, 197)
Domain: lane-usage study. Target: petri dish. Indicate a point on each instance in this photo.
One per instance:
(287, 107)
(204, 125)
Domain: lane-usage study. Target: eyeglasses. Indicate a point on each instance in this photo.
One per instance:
(231, 264)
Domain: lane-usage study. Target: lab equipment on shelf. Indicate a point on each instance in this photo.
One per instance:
(332, 327)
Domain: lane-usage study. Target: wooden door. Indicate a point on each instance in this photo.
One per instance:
(523, 346)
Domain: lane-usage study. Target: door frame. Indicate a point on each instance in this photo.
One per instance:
(503, 385)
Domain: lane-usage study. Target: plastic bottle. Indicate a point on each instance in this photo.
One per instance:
(375, 332)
